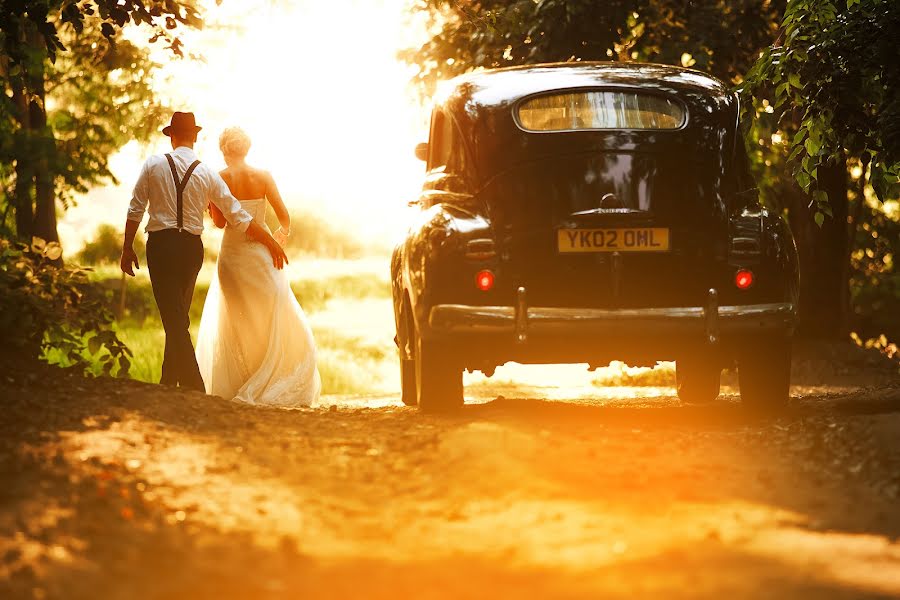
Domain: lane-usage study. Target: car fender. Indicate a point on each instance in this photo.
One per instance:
(433, 253)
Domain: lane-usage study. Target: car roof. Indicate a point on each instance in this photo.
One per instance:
(497, 87)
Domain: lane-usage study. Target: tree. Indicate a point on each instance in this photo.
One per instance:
(72, 92)
(722, 37)
(831, 84)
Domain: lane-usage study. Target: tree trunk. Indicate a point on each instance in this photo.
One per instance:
(45, 198)
(824, 258)
(22, 194)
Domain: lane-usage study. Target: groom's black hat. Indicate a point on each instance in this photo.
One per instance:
(182, 122)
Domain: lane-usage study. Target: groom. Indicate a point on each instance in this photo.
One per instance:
(178, 188)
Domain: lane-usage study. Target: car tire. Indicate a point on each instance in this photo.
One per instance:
(438, 378)
(406, 335)
(697, 380)
(408, 389)
(764, 372)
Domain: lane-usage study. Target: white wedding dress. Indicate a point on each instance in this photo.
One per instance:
(255, 344)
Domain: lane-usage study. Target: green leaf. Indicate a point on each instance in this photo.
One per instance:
(813, 144)
(94, 344)
(879, 182)
(819, 218)
(794, 80)
(781, 93)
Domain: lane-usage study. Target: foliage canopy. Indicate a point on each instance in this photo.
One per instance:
(721, 37)
(835, 70)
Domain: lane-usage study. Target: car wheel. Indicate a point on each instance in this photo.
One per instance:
(406, 345)
(764, 372)
(438, 378)
(408, 381)
(697, 380)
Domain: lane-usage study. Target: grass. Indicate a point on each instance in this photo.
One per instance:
(314, 294)
(147, 344)
(619, 374)
(349, 365)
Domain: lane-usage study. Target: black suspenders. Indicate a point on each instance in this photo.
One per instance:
(179, 187)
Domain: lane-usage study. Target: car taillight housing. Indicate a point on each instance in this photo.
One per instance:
(484, 281)
(743, 279)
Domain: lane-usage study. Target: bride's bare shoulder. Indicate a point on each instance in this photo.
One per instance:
(261, 173)
(264, 177)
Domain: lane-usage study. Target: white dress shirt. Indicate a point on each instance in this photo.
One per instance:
(156, 187)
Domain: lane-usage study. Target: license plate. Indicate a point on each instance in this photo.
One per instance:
(620, 239)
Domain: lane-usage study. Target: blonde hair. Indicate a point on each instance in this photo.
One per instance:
(234, 141)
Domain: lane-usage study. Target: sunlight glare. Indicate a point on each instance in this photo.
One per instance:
(320, 90)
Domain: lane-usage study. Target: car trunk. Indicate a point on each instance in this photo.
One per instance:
(616, 208)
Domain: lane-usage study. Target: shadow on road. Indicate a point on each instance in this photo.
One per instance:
(642, 414)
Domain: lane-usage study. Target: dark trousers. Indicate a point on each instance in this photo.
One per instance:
(174, 259)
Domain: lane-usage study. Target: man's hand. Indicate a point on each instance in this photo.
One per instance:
(256, 232)
(279, 258)
(129, 259)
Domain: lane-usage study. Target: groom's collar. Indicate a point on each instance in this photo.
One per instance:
(185, 151)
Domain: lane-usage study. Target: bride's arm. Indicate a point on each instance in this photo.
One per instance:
(274, 198)
(241, 220)
(217, 216)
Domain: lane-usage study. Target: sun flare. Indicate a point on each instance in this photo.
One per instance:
(320, 90)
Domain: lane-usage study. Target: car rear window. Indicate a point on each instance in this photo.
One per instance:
(600, 109)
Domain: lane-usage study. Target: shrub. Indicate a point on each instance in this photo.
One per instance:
(106, 247)
(51, 311)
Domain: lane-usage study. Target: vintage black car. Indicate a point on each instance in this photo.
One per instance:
(590, 212)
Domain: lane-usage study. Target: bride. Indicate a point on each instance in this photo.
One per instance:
(254, 344)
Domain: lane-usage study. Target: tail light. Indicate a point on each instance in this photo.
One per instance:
(743, 279)
(484, 281)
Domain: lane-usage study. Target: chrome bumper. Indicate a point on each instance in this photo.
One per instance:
(523, 320)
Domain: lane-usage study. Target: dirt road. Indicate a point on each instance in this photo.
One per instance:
(114, 489)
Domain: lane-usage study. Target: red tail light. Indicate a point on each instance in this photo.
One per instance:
(743, 279)
(484, 280)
